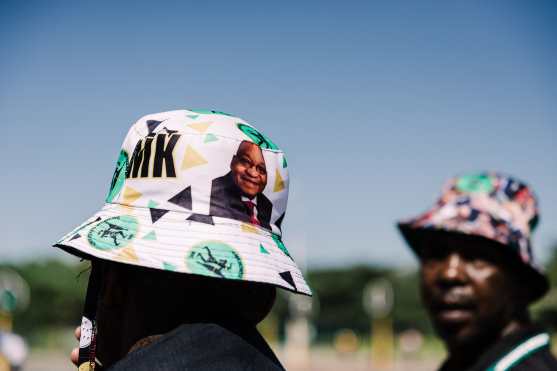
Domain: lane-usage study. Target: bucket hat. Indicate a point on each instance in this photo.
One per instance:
(199, 192)
(488, 205)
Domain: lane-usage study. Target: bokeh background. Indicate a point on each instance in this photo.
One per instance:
(375, 104)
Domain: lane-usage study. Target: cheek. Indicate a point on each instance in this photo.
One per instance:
(493, 294)
(238, 171)
(428, 275)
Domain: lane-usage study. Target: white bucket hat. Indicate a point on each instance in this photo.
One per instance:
(199, 192)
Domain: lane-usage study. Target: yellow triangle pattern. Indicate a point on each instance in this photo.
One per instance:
(192, 158)
(128, 254)
(131, 195)
(279, 183)
(200, 127)
(249, 228)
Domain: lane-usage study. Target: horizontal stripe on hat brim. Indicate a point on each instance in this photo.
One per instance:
(177, 229)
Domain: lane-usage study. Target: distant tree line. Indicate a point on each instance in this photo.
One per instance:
(58, 291)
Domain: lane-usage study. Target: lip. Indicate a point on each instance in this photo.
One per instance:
(453, 312)
(454, 315)
(249, 181)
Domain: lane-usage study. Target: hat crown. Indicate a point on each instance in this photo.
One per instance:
(503, 197)
(183, 161)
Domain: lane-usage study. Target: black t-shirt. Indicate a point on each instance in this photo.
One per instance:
(524, 350)
(204, 347)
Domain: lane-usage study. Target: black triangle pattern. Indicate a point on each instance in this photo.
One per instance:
(152, 125)
(183, 199)
(201, 218)
(170, 131)
(75, 237)
(279, 221)
(287, 276)
(156, 214)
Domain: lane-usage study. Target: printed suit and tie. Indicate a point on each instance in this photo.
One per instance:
(238, 194)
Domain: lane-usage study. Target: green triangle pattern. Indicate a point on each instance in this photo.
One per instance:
(151, 236)
(284, 163)
(152, 204)
(193, 116)
(262, 249)
(210, 138)
(168, 266)
(280, 245)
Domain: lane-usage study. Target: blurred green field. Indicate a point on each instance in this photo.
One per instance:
(57, 291)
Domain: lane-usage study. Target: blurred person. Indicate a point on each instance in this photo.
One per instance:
(239, 193)
(478, 276)
(13, 351)
(173, 287)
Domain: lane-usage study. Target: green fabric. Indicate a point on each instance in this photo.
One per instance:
(262, 249)
(476, 183)
(215, 258)
(119, 176)
(280, 245)
(257, 137)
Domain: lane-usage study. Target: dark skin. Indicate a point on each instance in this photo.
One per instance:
(471, 291)
(138, 305)
(248, 169)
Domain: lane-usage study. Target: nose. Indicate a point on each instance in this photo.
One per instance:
(452, 270)
(252, 171)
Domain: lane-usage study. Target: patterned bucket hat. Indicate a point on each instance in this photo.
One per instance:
(199, 192)
(487, 205)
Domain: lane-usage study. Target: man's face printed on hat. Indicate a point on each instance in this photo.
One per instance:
(248, 169)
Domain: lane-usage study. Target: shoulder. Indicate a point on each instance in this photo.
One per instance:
(263, 200)
(527, 349)
(222, 183)
(541, 360)
(222, 179)
(204, 347)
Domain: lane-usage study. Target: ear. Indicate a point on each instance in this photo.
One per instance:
(234, 159)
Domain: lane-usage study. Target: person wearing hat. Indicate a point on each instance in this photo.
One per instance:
(173, 287)
(478, 276)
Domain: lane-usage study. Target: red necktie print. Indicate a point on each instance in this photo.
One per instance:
(250, 206)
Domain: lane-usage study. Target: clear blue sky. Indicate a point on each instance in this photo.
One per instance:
(375, 104)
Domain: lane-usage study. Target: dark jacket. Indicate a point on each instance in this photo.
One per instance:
(204, 347)
(524, 350)
(226, 202)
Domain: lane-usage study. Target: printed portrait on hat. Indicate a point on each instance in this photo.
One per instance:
(238, 194)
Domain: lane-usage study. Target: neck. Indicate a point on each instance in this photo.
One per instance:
(464, 355)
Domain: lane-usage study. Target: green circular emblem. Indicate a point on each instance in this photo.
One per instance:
(119, 176)
(113, 233)
(476, 183)
(215, 258)
(258, 138)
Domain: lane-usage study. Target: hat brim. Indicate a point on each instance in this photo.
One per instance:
(415, 237)
(206, 246)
